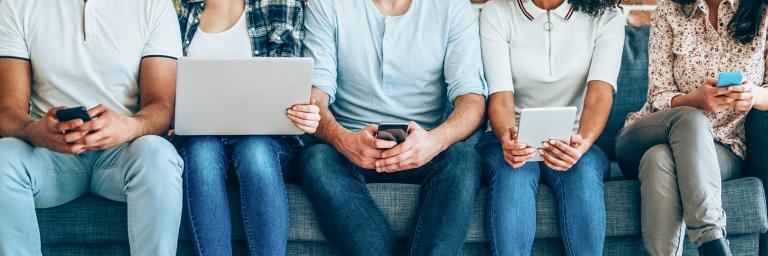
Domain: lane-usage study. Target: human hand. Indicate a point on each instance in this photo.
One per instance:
(559, 156)
(710, 98)
(362, 147)
(742, 95)
(516, 154)
(305, 117)
(108, 129)
(50, 133)
(418, 149)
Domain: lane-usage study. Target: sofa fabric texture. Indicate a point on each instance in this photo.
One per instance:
(95, 226)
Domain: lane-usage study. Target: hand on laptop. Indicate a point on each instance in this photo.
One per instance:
(305, 117)
(362, 147)
(559, 156)
(51, 134)
(108, 129)
(516, 154)
(417, 150)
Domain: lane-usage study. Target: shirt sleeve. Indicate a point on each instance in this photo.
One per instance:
(609, 46)
(661, 82)
(494, 37)
(320, 43)
(164, 38)
(286, 22)
(12, 42)
(463, 67)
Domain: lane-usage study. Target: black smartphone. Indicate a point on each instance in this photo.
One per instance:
(70, 114)
(396, 132)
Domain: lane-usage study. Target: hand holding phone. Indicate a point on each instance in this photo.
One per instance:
(396, 132)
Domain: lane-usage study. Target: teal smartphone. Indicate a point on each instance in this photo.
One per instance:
(728, 79)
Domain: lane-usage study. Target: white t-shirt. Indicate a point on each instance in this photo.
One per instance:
(234, 42)
(549, 68)
(87, 53)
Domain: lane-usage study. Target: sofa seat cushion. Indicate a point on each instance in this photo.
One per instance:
(95, 220)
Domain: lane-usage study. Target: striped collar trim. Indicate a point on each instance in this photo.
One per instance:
(531, 11)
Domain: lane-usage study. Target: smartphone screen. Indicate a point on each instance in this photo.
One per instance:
(69, 114)
(392, 132)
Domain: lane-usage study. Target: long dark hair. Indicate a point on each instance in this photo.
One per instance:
(594, 7)
(745, 23)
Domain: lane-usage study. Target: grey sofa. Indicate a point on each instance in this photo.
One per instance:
(95, 226)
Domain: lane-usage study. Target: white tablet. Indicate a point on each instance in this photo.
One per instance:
(240, 96)
(542, 124)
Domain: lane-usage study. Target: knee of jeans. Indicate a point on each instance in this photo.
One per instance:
(157, 156)
(201, 145)
(593, 164)
(656, 163)
(256, 153)
(691, 120)
(319, 165)
(12, 153)
(462, 163)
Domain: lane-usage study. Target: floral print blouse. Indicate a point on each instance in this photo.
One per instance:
(685, 50)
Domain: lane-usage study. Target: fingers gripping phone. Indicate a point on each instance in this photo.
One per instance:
(396, 132)
(70, 114)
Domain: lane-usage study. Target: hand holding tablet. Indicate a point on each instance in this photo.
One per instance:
(539, 125)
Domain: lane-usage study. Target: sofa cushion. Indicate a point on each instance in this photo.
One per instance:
(96, 220)
(632, 86)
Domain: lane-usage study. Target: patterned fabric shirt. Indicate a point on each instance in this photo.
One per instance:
(276, 27)
(685, 50)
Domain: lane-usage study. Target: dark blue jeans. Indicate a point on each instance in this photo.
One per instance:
(259, 163)
(353, 223)
(510, 220)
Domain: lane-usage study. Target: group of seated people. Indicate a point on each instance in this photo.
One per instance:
(426, 62)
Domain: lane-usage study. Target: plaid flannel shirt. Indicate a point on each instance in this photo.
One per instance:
(276, 27)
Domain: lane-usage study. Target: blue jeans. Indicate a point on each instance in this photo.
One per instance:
(258, 162)
(145, 173)
(353, 223)
(510, 219)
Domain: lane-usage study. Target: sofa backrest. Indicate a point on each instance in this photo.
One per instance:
(632, 86)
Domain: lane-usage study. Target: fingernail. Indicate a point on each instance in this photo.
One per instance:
(546, 144)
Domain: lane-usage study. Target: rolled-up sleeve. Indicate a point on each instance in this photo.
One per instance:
(12, 42)
(494, 37)
(609, 46)
(463, 67)
(320, 43)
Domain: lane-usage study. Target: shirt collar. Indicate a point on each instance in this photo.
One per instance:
(704, 8)
(531, 11)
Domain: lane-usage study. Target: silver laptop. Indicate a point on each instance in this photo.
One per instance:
(240, 96)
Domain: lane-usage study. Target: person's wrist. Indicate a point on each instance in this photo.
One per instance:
(441, 142)
(135, 127)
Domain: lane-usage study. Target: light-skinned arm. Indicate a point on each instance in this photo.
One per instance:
(361, 147)
(48, 132)
(421, 146)
(157, 87)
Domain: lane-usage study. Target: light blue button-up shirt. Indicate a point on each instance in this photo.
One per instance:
(378, 68)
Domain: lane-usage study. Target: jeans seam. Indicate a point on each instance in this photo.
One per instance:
(566, 237)
(192, 219)
(248, 235)
(491, 223)
(421, 215)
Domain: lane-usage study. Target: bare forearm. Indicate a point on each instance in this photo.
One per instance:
(597, 108)
(501, 111)
(153, 119)
(329, 129)
(466, 118)
(13, 123)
